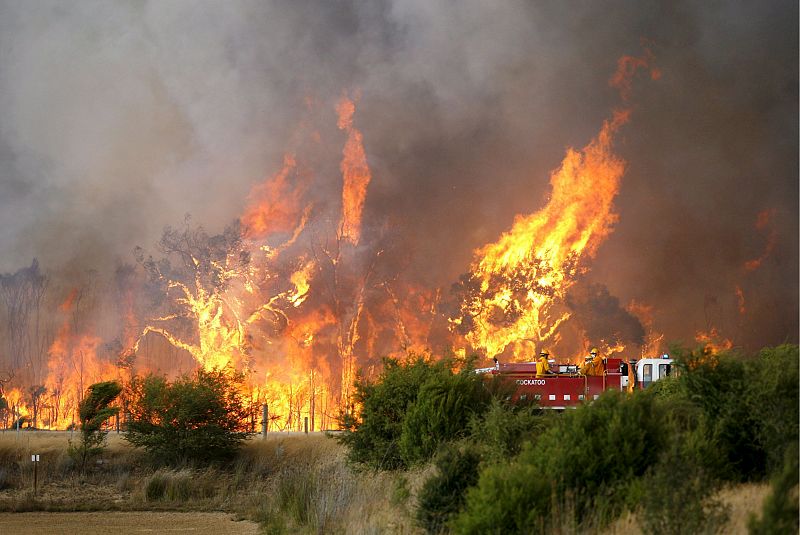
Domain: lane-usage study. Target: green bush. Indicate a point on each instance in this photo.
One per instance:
(750, 407)
(93, 411)
(444, 405)
(718, 385)
(504, 427)
(193, 419)
(772, 398)
(678, 492)
(510, 497)
(373, 437)
(780, 513)
(442, 494)
(587, 461)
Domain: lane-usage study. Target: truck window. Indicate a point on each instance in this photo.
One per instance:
(647, 374)
(663, 370)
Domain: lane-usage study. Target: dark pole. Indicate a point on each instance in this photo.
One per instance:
(264, 420)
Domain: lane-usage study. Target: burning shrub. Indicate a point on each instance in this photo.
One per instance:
(193, 419)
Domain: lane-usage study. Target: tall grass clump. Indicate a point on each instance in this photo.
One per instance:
(183, 486)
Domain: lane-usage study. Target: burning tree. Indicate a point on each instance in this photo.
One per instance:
(513, 295)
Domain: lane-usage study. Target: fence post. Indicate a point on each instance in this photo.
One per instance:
(305, 424)
(264, 420)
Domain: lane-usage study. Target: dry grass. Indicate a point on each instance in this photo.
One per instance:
(288, 483)
(308, 486)
(742, 500)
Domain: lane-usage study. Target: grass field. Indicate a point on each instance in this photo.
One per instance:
(287, 483)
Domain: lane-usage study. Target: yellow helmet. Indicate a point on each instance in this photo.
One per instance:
(544, 353)
(594, 351)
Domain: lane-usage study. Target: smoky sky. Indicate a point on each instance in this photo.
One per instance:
(116, 119)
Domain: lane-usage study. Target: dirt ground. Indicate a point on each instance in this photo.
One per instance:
(123, 523)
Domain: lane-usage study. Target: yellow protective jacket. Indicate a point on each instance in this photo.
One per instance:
(542, 367)
(593, 367)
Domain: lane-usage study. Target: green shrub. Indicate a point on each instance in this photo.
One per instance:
(772, 397)
(444, 405)
(750, 407)
(503, 427)
(193, 419)
(718, 385)
(510, 497)
(678, 493)
(94, 410)
(373, 437)
(780, 513)
(587, 461)
(442, 494)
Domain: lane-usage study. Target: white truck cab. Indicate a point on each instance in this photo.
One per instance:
(649, 371)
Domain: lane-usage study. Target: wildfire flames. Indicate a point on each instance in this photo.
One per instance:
(518, 282)
(297, 299)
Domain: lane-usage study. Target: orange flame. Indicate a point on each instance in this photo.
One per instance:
(712, 342)
(523, 274)
(275, 205)
(764, 222)
(537, 260)
(355, 173)
(740, 300)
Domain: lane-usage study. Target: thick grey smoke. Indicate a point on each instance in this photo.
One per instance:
(119, 118)
(602, 315)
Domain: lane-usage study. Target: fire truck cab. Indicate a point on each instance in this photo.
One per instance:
(649, 371)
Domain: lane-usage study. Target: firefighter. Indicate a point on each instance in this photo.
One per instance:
(542, 365)
(593, 364)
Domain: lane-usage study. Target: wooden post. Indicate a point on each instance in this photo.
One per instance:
(305, 424)
(264, 420)
(35, 460)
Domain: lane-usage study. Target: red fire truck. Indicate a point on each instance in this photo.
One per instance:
(563, 386)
